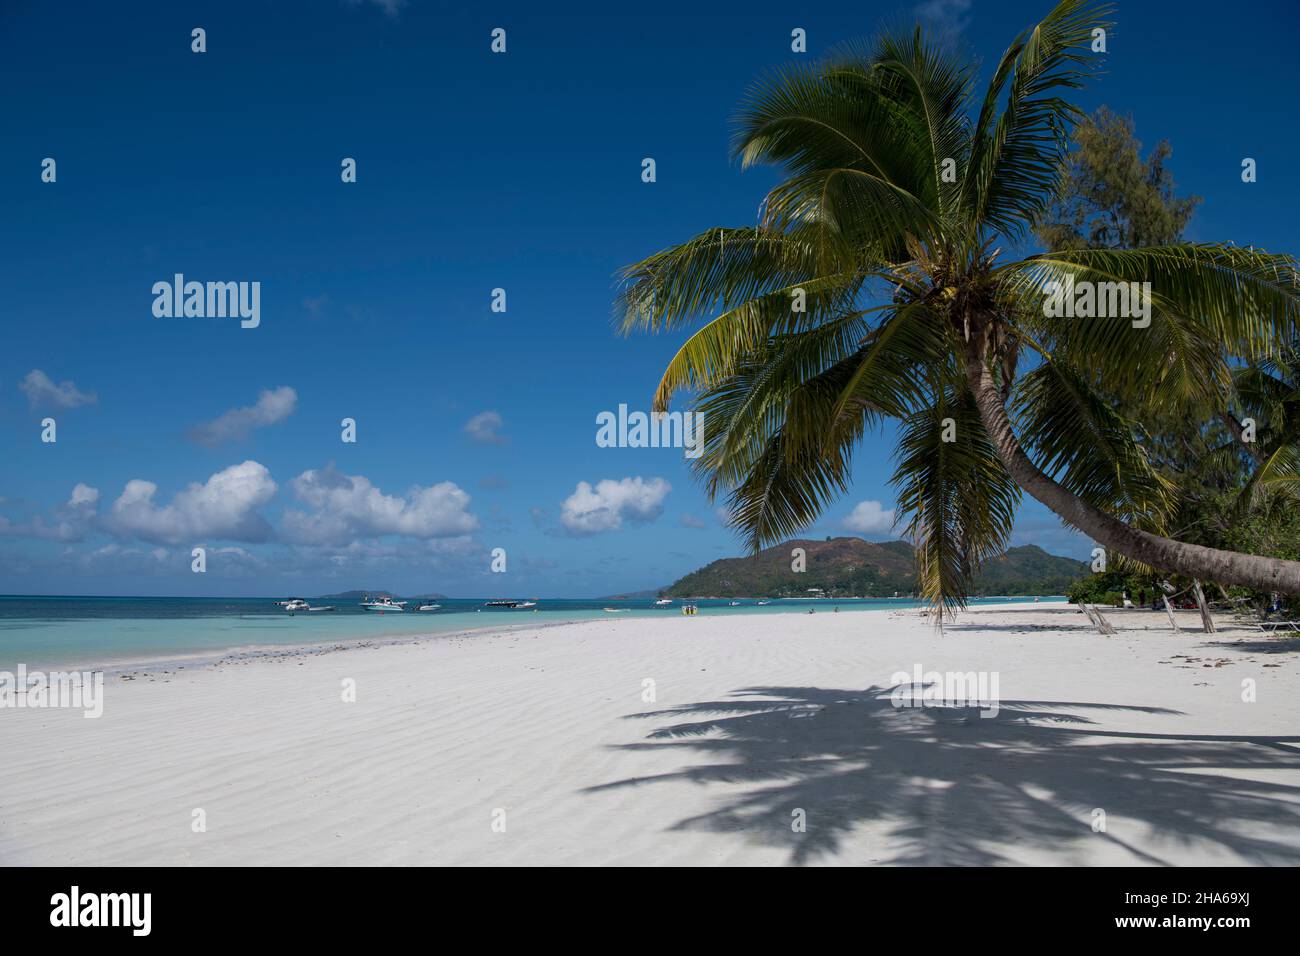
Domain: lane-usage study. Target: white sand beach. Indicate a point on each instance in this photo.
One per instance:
(754, 719)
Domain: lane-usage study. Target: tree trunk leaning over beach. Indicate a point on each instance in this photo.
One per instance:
(1193, 560)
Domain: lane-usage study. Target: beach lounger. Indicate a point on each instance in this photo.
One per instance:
(1272, 627)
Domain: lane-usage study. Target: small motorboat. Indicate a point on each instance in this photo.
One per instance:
(734, 604)
(663, 602)
(328, 607)
(428, 607)
(297, 604)
(764, 603)
(511, 605)
(384, 604)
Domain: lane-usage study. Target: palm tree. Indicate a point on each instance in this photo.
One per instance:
(1269, 393)
(874, 287)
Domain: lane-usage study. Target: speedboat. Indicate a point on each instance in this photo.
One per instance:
(764, 603)
(734, 604)
(297, 604)
(663, 602)
(384, 604)
(428, 607)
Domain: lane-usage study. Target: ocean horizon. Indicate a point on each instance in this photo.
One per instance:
(87, 631)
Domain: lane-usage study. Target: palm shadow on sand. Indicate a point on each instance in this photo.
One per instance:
(953, 788)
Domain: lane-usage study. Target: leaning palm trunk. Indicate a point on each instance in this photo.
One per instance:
(1193, 560)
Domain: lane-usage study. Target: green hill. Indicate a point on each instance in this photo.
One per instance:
(852, 567)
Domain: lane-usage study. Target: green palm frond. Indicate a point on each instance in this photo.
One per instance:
(1085, 445)
(897, 363)
(1248, 299)
(957, 497)
(934, 86)
(1015, 154)
(776, 488)
(746, 409)
(720, 346)
(853, 204)
(807, 118)
(1206, 301)
(1269, 392)
(813, 394)
(769, 406)
(1278, 472)
(721, 270)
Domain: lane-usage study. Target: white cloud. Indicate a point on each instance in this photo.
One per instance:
(870, 518)
(43, 393)
(482, 428)
(83, 496)
(224, 507)
(273, 405)
(602, 508)
(690, 521)
(347, 507)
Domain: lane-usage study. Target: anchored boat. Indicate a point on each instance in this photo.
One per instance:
(384, 604)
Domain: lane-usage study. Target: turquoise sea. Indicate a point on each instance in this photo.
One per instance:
(44, 632)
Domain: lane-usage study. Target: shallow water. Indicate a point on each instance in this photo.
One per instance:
(104, 631)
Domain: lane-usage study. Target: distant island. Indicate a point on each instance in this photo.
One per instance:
(633, 595)
(852, 567)
(376, 593)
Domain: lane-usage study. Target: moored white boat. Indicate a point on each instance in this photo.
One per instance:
(384, 604)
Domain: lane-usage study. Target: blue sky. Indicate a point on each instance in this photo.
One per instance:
(475, 171)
